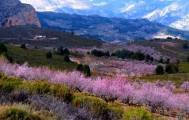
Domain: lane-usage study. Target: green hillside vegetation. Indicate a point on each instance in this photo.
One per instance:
(23, 112)
(36, 57)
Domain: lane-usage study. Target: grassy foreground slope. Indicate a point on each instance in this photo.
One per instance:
(32, 102)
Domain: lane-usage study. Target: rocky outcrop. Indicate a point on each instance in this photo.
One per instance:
(13, 13)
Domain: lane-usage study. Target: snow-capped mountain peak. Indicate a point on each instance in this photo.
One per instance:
(167, 12)
(158, 13)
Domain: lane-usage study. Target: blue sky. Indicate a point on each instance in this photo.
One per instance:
(51, 5)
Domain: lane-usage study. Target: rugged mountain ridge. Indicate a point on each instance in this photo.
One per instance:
(13, 13)
(108, 29)
(174, 13)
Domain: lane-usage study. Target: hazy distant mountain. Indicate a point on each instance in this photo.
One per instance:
(13, 12)
(174, 13)
(109, 29)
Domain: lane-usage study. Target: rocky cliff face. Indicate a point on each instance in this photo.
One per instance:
(13, 12)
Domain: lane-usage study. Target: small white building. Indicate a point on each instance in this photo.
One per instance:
(39, 37)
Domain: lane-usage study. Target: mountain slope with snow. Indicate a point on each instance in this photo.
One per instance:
(108, 29)
(167, 12)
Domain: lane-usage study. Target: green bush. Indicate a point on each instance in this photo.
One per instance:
(37, 87)
(115, 111)
(16, 114)
(8, 57)
(62, 51)
(99, 53)
(129, 54)
(138, 56)
(62, 91)
(85, 69)
(171, 68)
(67, 59)
(7, 85)
(4, 52)
(137, 114)
(96, 106)
(3, 48)
(148, 58)
(66, 52)
(160, 70)
(43, 87)
(23, 46)
(49, 55)
(80, 67)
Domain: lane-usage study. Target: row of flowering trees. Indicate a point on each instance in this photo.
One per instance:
(155, 95)
(134, 67)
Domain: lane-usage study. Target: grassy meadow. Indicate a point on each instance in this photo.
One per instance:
(37, 57)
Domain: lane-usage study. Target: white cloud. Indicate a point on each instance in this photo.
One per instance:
(41, 5)
(100, 4)
(127, 8)
(52, 5)
(132, 6)
(181, 23)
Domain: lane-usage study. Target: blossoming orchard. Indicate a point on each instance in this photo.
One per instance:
(156, 96)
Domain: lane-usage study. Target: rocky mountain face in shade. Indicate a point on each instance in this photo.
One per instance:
(13, 13)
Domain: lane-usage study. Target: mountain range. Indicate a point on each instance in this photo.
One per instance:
(108, 29)
(13, 13)
(174, 13)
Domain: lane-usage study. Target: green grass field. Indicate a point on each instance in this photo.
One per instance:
(35, 57)
(178, 78)
(184, 67)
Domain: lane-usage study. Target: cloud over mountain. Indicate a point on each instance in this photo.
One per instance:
(168, 12)
(53, 5)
